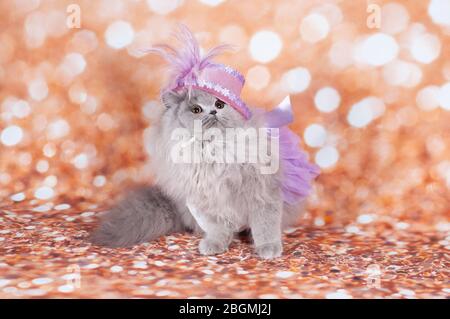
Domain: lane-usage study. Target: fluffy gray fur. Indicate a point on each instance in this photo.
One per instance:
(143, 215)
(217, 200)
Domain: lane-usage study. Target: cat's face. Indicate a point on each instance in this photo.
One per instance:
(203, 107)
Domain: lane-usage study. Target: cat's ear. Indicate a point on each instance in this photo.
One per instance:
(172, 98)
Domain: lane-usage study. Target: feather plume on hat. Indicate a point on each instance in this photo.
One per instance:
(186, 62)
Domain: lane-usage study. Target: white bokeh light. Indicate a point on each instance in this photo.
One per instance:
(327, 99)
(74, 63)
(428, 98)
(327, 157)
(26, 5)
(212, 3)
(35, 29)
(426, 48)
(439, 11)
(413, 31)
(58, 129)
(49, 150)
(314, 28)
(42, 166)
(51, 181)
(315, 135)
(395, 18)
(55, 23)
(339, 54)
(265, 46)
(119, 34)
(163, 6)
(108, 9)
(365, 111)
(396, 73)
(44, 193)
(21, 109)
(18, 197)
(12, 135)
(296, 80)
(99, 181)
(331, 12)
(378, 49)
(38, 89)
(90, 105)
(77, 94)
(62, 207)
(401, 73)
(233, 34)
(258, 77)
(24, 158)
(415, 75)
(81, 161)
(84, 41)
(360, 116)
(444, 96)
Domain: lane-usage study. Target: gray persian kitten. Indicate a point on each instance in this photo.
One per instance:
(216, 200)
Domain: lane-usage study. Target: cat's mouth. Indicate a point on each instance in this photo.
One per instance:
(211, 121)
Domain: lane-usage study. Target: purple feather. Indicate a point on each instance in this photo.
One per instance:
(186, 62)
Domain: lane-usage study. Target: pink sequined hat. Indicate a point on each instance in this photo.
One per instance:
(190, 69)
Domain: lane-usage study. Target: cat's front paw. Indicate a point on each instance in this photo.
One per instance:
(270, 251)
(211, 247)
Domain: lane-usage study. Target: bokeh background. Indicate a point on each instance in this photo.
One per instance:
(370, 85)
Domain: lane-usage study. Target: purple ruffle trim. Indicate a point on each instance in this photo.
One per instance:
(298, 172)
(224, 93)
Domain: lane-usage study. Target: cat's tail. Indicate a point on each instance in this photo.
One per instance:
(143, 215)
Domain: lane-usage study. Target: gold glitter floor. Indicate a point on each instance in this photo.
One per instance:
(45, 254)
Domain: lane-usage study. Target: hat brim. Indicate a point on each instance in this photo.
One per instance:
(234, 101)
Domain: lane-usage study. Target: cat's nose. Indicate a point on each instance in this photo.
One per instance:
(213, 112)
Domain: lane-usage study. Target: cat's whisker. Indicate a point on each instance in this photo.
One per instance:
(210, 121)
(206, 122)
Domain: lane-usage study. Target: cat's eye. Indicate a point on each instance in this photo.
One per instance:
(220, 104)
(196, 109)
